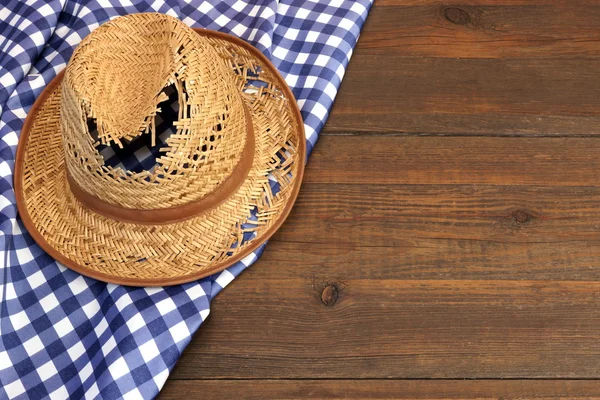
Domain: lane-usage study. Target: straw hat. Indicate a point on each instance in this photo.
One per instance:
(222, 184)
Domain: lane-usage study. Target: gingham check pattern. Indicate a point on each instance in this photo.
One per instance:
(67, 336)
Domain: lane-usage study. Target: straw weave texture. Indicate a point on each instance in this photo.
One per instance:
(214, 78)
(116, 80)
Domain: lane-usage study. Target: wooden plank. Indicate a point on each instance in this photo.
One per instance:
(480, 68)
(443, 256)
(419, 258)
(430, 259)
(346, 216)
(279, 328)
(378, 389)
(458, 208)
(475, 29)
(468, 96)
(395, 3)
(455, 160)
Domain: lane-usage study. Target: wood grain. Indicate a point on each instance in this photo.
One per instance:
(403, 215)
(367, 160)
(448, 227)
(492, 29)
(473, 280)
(446, 259)
(278, 327)
(478, 68)
(395, 3)
(468, 96)
(379, 389)
(432, 259)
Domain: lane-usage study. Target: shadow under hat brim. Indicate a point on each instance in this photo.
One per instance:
(52, 207)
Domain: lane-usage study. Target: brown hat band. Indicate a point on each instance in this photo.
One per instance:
(176, 213)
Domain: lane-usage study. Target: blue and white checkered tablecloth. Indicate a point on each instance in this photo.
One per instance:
(66, 336)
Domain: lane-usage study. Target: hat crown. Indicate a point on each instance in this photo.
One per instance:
(116, 79)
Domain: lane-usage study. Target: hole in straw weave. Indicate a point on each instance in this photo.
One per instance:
(139, 154)
(92, 128)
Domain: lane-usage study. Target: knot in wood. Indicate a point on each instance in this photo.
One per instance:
(329, 295)
(457, 16)
(521, 216)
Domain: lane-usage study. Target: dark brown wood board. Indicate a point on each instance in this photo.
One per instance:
(479, 68)
(446, 240)
(381, 389)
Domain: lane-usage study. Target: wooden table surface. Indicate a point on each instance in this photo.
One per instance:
(445, 242)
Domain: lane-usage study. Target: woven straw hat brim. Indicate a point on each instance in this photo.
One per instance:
(158, 255)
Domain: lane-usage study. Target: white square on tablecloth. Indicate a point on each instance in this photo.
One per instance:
(59, 394)
(90, 309)
(222, 20)
(14, 389)
(47, 371)
(37, 38)
(33, 345)
(76, 351)
(36, 280)
(123, 302)
(7, 80)
(110, 344)
(136, 322)
(86, 372)
(321, 60)
(312, 36)
(195, 292)
(225, 277)
(118, 368)
(19, 320)
(4, 360)
(133, 395)
(92, 391)
(161, 378)
(49, 302)
(179, 332)
(165, 306)
(205, 7)
(149, 350)
(16, 50)
(45, 10)
(78, 285)
(24, 255)
(63, 327)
